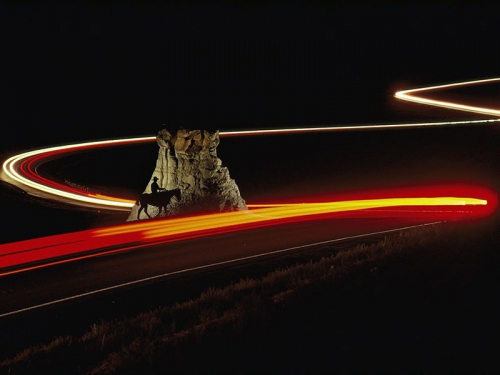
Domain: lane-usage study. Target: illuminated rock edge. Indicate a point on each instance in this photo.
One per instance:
(187, 159)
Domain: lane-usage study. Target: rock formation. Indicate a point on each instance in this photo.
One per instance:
(187, 160)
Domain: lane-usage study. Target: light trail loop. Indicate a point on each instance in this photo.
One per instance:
(409, 95)
(20, 169)
(438, 203)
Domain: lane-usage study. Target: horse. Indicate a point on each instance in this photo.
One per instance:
(160, 200)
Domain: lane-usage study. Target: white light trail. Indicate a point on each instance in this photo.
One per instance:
(32, 180)
(22, 169)
(408, 96)
(354, 128)
(10, 168)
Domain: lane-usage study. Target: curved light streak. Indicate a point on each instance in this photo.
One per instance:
(21, 168)
(46, 251)
(409, 95)
(437, 203)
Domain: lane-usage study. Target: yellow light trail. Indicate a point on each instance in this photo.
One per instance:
(20, 168)
(273, 212)
(442, 202)
(42, 252)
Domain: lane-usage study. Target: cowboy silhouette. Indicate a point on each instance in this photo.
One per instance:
(155, 188)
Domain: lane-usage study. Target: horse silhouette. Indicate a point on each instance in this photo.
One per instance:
(160, 200)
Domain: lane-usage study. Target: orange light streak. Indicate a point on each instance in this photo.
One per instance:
(21, 168)
(288, 211)
(444, 203)
(41, 252)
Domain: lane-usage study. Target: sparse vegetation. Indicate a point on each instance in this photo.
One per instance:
(218, 331)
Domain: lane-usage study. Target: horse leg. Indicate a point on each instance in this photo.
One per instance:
(139, 212)
(146, 210)
(159, 210)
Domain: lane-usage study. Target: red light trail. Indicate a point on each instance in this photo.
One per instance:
(432, 203)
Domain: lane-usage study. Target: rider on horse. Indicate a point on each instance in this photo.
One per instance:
(155, 188)
(157, 199)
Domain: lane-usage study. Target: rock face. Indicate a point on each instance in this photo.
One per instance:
(187, 160)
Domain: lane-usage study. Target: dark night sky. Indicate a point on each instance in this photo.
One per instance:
(89, 71)
(95, 71)
(71, 73)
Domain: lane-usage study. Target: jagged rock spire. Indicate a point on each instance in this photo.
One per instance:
(187, 160)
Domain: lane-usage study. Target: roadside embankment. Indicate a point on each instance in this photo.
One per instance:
(420, 300)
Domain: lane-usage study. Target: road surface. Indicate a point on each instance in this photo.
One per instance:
(103, 274)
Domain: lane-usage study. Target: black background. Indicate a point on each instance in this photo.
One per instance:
(101, 70)
(89, 71)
